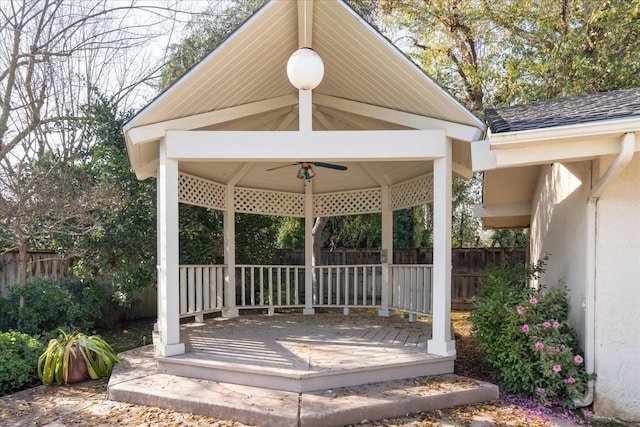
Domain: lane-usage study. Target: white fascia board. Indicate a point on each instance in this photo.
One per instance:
(268, 146)
(454, 130)
(519, 139)
(148, 133)
(482, 157)
(489, 211)
(557, 152)
(550, 145)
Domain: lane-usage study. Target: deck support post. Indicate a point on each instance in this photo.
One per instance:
(441, 342)
(168, 343)
(230, 309)
(386, 255)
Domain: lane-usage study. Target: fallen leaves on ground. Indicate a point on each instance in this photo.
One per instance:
(86, 403)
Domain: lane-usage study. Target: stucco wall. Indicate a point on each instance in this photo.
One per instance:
(558, 227)
(618, 297)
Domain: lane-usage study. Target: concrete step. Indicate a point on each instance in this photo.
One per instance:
(299, 381)
(140, 383)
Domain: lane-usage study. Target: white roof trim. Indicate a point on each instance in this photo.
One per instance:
(149, 133)
(519, 139)
(548, 145)
(454, 130)
(326, 146)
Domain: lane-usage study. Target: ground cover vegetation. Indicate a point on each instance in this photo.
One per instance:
(65, 183)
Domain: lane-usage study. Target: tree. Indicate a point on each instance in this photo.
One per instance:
(566, 47)
(124, 245)
(52, 54)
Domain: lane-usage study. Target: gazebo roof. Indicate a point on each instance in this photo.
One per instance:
(242, 86)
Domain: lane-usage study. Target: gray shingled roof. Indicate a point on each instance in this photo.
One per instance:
(612, 105)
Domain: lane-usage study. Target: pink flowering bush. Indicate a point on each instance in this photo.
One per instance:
(525, 335)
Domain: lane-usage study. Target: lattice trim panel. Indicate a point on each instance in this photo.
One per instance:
(348, 202)
(413, 192)
(201, 192)
(264, 202)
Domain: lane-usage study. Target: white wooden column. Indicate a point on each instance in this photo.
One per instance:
(386, 256)
(168, 280)
(441, 343)
(229, 225)
(305, 123)
(308, 249)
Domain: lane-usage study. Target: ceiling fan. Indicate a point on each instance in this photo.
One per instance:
(306, 171)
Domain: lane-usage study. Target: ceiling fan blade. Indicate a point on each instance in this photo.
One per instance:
(282, 166)
(330, 166)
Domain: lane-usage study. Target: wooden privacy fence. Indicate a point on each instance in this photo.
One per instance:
(40, 264)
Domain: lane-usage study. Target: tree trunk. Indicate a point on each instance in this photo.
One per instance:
(316, 237)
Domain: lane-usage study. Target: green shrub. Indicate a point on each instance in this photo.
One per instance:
(525, 335)
(51, 304)
(18, 360)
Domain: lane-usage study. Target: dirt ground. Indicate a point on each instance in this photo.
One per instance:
(86, 404)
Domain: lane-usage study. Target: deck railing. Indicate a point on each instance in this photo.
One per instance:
(202, 288)
(270, 286)
(412, 288)
(347, 286)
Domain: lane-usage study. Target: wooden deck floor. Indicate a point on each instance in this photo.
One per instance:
(325, 350)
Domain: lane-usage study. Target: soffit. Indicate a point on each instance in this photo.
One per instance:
(510, 186)
(250, 65)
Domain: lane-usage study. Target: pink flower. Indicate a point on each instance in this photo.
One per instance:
(556, 324)
(570, 380)
(525, 329)
(540, 390)
(521, 310)
(533, 301)
(539, 345)
(578, 359)
(557, 368)
(546, 324)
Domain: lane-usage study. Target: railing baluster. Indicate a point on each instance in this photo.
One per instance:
(356, 283)
(338, 292)
(365, 278)
(183, 290)
(329, 270)
(206, 298)
(269, 272)
(190, 290)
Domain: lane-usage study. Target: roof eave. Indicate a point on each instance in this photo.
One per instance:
(553, 144)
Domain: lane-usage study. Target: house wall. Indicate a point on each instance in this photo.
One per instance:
(558, 228)
(617, 332)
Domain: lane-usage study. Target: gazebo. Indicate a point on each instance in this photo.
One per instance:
(375, 135)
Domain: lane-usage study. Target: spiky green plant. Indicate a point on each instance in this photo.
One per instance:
(62, 352)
